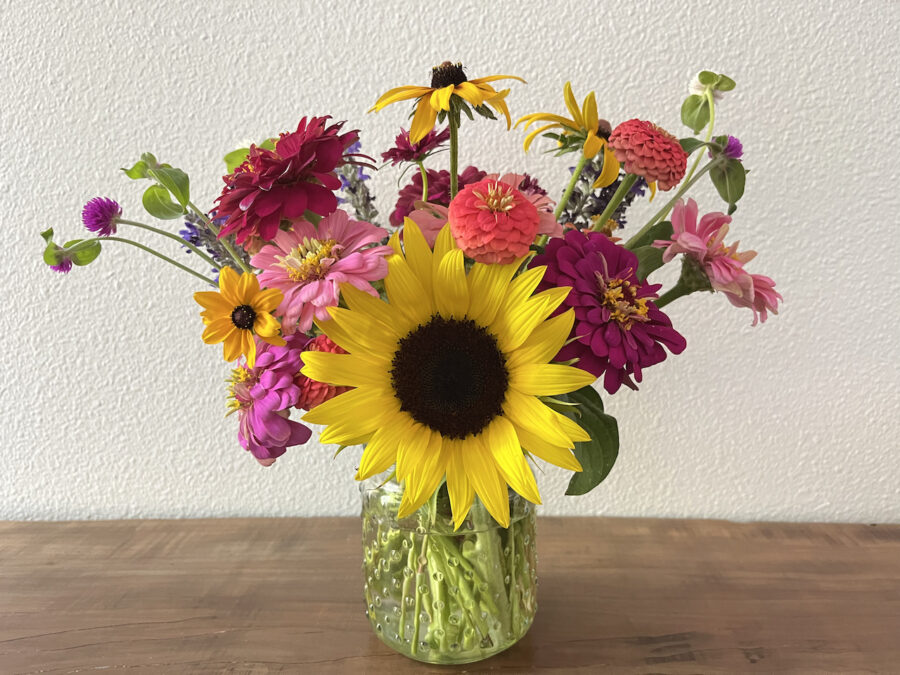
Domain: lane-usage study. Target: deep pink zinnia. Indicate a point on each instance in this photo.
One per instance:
(263, 396)
(308, 263)
(649, 151)
(406, 151)
(313, 392)
(272, 185)
(492, 222)
(619, 331)
(438, 191)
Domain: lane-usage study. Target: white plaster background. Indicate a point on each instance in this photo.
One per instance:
(112, 406)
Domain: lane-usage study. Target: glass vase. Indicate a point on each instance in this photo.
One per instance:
(443, 596)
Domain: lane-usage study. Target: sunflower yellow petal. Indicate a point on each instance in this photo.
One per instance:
(572, 105)
(359, 333)
(364, 407)
(343, 370)
(425, 479)
(537, 446)
(412, 449)
(451, 291)
(487, 289)
(399, 94)
(406, 293)
(423, 121)
(570, 428)
(418, 253)
(544, 342)
(610, 171)
(502, 441)
(460, 489)
(486, 480)
(515, 324)
(548, 379)
(528, 413)
(443, 243)
(381, 450)
(371, 306)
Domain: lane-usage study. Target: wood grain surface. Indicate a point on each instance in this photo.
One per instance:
(285, 595)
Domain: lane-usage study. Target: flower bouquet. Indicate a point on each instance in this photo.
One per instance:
(459, 342)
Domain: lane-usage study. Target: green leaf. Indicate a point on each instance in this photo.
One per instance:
(138, 171)
(47, 235)
(729, 179)
(650, 259)
(86, 254)
(235, 158)
(662, 230)
(52, 254)
(598, 455)
(725, 83)
(175, 181)
(484, 111)
(695, 112)
(150, 160)
(690, 144)
(707, 78)
(158, 204)
(268, 144)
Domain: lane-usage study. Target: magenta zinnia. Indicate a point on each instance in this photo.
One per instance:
(298, 175)
(308, 263)
(405, 150)
(438, 191)
(618, 330)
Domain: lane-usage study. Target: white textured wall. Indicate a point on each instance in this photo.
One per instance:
(112, 406)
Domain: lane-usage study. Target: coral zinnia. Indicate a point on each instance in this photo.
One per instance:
(618, 329)
(447, 80)
(492, 222)
(312, 392)
(438, 191)
(448, 375)
(649, 151)
(405, 150)
(271, 185)
(237, 312)
(308, 263)
(262, 397)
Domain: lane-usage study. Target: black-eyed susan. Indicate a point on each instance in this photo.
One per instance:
(447, 80)
(447, 376)
(584, 128)
(239, 311)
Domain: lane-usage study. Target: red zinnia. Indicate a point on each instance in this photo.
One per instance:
(283, 184)
(649, 151)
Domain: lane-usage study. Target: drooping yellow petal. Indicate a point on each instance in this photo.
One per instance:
(589, 112)
(460, 489)
(469, 92)
(440, 98)
(425, 479)
(451, 291)
(498, 103)
(487, 289)
(548, 379)
(502, 441)
(233, 343)
(610, 171)
(399, 94)
(343, 370)
(592, 145)
(572, 105)
(539, 447)
(418, 253)
(411, 449)
(218, 330)
(248, 347)
(494, 78)
(406, 293)
(423, 121)
(381, 451)
(652, 186)
(486, 480)
(544, 342)
(537, 132)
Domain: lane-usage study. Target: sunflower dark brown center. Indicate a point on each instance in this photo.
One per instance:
(243, 317)
(446, 74)
(451, 376)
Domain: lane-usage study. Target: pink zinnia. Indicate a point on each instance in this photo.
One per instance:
(762, 300)
(313, 392)
(263, 396)
(308, 264)
(492, 222)
(649, 151)
(272, 185)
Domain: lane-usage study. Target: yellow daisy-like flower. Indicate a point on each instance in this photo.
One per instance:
(447, 80)
(447, 376)
(584, 123)
(239, 311)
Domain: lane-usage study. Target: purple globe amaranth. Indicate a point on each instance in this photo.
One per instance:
(619, 331)
(99, 216)
(733, 148)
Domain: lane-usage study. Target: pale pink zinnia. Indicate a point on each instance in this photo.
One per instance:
(308, 263)
(762, 300)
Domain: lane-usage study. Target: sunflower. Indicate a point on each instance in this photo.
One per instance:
(447, 376)
(239, 311)
(584, 126)
(447, 80)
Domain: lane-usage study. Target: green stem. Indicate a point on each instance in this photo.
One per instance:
(454, 154)
(181, 241)
(161, 257)
(424, 180)
(712, 120)
(570, 188)
(665, 209)
(677, 291)
(629, 180)
(215, 230)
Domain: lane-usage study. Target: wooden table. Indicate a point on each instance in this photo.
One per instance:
(285, 595)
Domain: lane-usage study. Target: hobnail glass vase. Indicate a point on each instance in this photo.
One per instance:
(443, 596)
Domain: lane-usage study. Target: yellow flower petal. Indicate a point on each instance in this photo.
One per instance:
(248, 287)
(214, 302)
(267, 300)
(248, 347)
(423, 121)
(425, 479)
(399, 94)
(460, 489)
(469, 92)
(539, 447)
(610, 171)
(228, 286)
(570, 428)
(412, 449)
(217, 331)
(487, 289)
(486, 480)
(371, 306)
(652, 186)
(548, 379)
(233, 344)
(406, 293)
(342, 370)
(544, 342)
(418, 254)
(451, 291)
(572, 105)
(498, 102)
(266, 325)
(381, 451)
(528, 413)
(592, 145)
(440, 99)
(502, 441)
(444, 243)
(589, 113)
(537, 132)
(494, 78)
(359, 333)
(549, 117)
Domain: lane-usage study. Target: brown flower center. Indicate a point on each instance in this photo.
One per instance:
(243, 317)
(446, 74)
